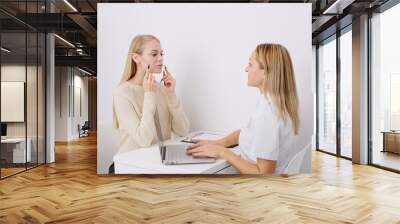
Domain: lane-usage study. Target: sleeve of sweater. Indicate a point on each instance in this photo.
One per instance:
(180, 122)
(141, 129)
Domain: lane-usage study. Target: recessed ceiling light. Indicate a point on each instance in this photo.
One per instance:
(64, 40)
(5, 50)
(84, 71)
(337, 7)
(70, 5)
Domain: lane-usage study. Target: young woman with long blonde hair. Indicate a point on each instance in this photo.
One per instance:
(138, 96)
(267, 143)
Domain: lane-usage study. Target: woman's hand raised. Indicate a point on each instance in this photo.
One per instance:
(149, 84)
(169, 81)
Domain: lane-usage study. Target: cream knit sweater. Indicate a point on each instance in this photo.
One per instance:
(134, 110)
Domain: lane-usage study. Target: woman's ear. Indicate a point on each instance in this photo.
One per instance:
(136, 58)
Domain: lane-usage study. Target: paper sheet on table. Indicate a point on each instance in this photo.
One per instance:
(211, 136)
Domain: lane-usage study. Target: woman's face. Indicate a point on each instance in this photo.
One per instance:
(255, 73)
(152, 55)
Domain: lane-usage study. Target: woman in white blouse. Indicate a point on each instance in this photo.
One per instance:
(267, 143)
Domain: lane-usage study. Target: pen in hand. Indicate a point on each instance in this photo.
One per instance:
(163, 73)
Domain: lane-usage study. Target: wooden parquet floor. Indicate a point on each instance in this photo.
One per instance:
(70, 191)
(10, 171)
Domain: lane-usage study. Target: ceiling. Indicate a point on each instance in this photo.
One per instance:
(76, 22)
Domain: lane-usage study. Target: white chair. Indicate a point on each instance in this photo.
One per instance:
(294, 165)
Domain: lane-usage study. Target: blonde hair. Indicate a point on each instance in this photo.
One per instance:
(279, 82)
(136, 46)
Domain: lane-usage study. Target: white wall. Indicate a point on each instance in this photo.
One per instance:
(206, 47)
(67, 80)
(61, 103)
(80, 83)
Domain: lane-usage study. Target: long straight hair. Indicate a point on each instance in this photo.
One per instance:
(136, 46)
(279, 82)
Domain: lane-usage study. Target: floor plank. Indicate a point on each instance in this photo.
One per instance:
(70, 191)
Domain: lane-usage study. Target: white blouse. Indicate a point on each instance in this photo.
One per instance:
(266, 136)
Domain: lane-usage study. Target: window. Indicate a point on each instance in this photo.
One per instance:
(327, 96)
(385, 89)
(346, 94)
